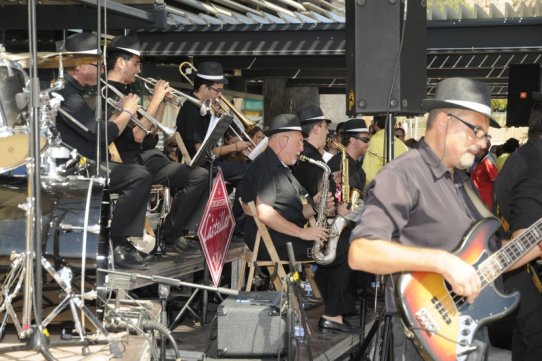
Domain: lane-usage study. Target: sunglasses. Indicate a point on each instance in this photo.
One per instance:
(363, 139)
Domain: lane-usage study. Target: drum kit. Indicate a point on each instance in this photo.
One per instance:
(71, 204)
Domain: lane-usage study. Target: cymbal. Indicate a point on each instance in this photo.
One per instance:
(48, 60)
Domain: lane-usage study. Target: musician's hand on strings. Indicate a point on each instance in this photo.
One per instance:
(462, 277)
(314, 234)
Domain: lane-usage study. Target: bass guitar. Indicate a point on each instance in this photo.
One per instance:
(443, 324)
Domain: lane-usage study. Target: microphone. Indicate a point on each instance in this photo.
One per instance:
(291, 259)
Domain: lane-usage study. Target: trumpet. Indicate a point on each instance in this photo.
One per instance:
(175, 96)
(117, 105)
(186, 69)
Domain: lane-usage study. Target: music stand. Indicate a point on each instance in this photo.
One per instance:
(211, 140)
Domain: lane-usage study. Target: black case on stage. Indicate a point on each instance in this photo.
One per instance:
(251, 325)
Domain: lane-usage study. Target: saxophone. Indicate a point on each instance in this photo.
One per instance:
(325, 255)
(353, 196)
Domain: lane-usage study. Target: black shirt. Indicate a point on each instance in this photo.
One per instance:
(356, 174)
(517, 198)
(309, 175)
(74, 104)
(192, 125)
(270, 180)
(128, 148)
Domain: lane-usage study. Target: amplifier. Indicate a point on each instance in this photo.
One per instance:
(251, 324)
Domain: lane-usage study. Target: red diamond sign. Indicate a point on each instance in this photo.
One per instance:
(216, 228)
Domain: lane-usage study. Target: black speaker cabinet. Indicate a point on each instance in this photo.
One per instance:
(373, 34)
(251, 324)
(523, 79)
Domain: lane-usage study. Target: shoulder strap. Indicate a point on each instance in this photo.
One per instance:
(476, 201)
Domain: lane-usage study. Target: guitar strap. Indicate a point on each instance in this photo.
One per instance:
(476, 201)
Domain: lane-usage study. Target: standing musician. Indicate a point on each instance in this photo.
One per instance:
(276, 193)
(418, 207)
(518, 203)
(333, 279)
(208, 86)
(136, 146)
(355, 140)
(131, 181)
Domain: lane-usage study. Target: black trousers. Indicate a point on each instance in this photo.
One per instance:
(333, 280)
(189, 187)
(133, 183)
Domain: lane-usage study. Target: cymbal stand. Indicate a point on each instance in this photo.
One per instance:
(11, 287)
(63, 279)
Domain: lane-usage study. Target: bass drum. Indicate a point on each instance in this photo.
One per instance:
(67, 208)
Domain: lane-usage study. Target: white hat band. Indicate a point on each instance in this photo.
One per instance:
(480, 108)
(132, 51)
(211, 77)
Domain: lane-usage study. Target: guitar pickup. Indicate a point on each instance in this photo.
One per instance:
(441, 310)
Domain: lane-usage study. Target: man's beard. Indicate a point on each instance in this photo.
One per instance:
(466, 160)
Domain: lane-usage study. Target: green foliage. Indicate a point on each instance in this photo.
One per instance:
(443, 4)
(498, 105)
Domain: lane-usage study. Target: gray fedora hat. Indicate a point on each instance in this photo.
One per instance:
(462, 93)
(82, 43)
(283, 123)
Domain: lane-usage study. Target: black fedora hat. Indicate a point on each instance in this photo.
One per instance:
(311, 114)
(462, 93)
(283, 123)
(213, 71)
(126, 44)
(355, 125)
(82, 43)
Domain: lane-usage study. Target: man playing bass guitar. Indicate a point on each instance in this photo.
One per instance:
(417, 211)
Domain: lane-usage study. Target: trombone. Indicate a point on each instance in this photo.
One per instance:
(186, 69)
(176, 96)
(117, 105)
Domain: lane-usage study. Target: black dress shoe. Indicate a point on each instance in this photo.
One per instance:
(185, 247)
(327, 325)
(128, 257)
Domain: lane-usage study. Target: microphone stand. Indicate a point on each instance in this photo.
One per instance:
(293, 284)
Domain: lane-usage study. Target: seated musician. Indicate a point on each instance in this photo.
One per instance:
(189, 186)
(418, 208)
(209, 82)
(131, 181)
(276, 193)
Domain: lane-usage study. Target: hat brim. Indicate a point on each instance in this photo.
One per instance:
(276, 131)
(430, 104)
(126, 51)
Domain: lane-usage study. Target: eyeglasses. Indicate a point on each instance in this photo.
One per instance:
(478, 131)
(218, 91)
(363, 139)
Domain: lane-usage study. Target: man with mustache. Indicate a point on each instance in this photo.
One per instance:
(417, 208)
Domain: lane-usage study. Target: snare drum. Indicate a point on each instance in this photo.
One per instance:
(65, 210)
(14, 127)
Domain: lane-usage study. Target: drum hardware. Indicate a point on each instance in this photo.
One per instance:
(69, 228)
(63, 279)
